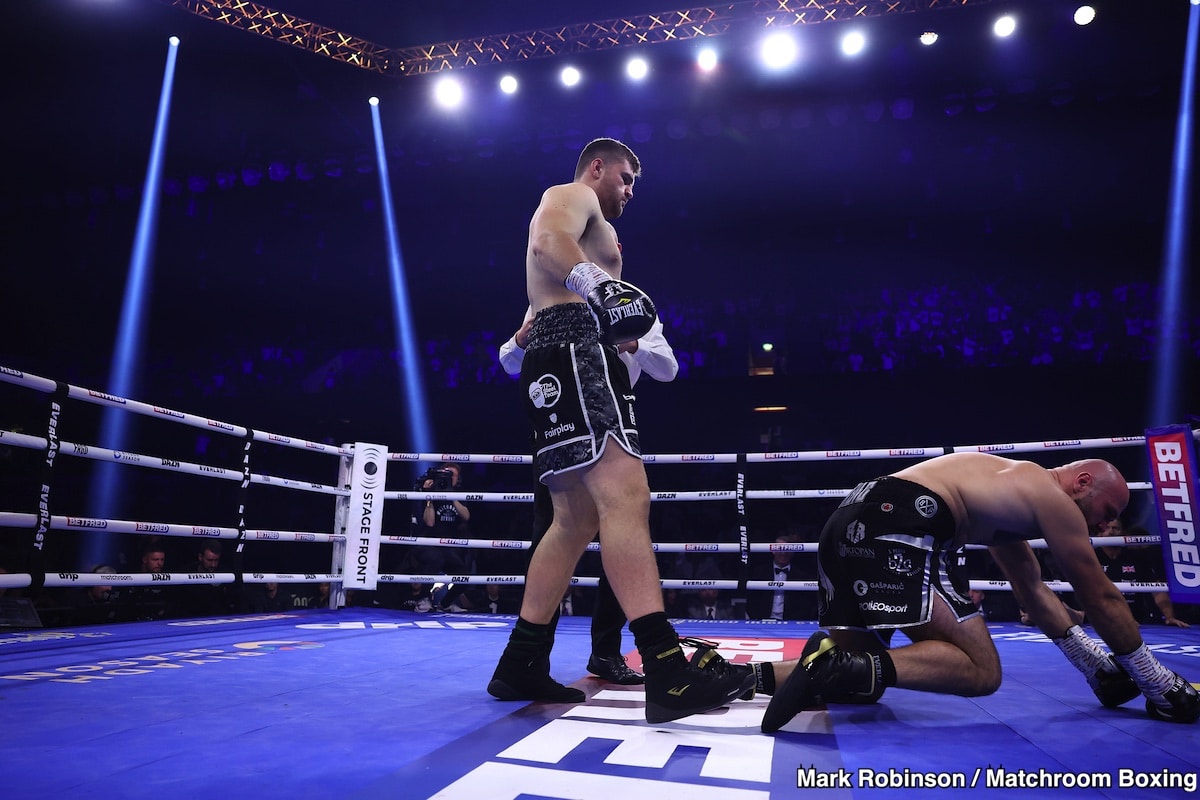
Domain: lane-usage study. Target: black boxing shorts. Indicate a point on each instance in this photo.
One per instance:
(884, 553)
(577, 392)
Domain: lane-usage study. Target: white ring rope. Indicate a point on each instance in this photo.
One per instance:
(20, 520)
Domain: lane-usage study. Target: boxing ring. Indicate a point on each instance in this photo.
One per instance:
(356, 700)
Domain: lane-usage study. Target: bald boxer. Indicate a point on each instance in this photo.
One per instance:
(580, 404)
(888, 559)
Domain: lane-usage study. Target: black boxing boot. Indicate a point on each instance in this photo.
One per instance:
(524, 669)
(828, 674)
(706, 657)
(675, 687)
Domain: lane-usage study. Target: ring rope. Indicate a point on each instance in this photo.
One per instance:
(62, 391)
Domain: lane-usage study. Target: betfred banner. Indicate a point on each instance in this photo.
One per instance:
(365, 520)
(1173, 470)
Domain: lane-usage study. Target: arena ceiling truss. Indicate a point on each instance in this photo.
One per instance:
(629, 31)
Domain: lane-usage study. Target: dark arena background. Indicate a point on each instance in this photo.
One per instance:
(271, 239)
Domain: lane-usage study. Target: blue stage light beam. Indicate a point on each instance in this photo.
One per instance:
(1169, 359)
(124, 374)
(412, 386)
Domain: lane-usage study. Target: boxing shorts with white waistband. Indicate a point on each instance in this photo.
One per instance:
(884, 553)
(577, 391)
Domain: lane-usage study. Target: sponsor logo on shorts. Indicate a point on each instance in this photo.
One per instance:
(899, 562)
(847, 551)
(882, 586)
(545, 391)
(926, 506)
(559, 430)
(855, 532)
(886, 508)
(875, 605)
(860, 588)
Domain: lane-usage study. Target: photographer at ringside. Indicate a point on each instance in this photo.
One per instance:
(443, 519)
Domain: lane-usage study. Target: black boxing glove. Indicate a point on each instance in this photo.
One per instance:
(625, 312)
(1169, 696)
(1108, 679)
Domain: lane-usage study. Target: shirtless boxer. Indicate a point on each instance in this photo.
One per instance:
(585, 442)
(887, 559)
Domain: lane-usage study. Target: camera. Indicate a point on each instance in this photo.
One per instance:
(443, 479)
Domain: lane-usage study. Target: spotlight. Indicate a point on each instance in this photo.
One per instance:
(1084, 15)
(570, 76)
(173, 41)
(637, 68)
(373, 101)
(779, 51)
(853, 43)
(508, 84)
(706, 59)
(448, 93)
(928, 37)
(1004, 27)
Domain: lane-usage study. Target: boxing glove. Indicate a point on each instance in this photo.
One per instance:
(624, 312)
(1169, 696)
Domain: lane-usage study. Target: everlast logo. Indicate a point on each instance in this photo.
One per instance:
(699, 583)
(712, 494)
(39, 539)
(637, 308)
(207, 468)
(52, 434)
